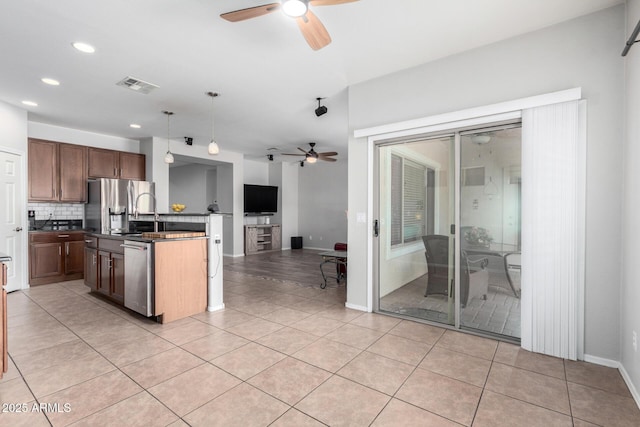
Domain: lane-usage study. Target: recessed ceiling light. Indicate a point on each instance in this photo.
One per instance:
(30, 103)
(83, 47)
(49, 81)
(135, 126)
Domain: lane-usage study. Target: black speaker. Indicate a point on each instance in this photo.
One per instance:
(321, 110)
(296, 242)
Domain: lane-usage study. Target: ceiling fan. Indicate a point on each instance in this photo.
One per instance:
(312, 29)
(312, 156)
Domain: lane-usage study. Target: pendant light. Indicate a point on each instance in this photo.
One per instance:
(168, 158)
(213, 148)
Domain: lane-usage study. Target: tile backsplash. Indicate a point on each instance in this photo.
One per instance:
(58, 210)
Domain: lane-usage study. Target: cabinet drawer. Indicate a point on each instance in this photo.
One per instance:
(110, 245)
(55, 236)
(91, 241)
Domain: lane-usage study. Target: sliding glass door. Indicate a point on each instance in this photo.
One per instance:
(433, 192)
(416, 205)
(489, 232)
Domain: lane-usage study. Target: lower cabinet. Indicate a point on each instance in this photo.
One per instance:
(104, 267)
(91, 267)
(55, 257)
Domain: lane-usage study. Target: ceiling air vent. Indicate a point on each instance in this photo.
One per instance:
(137, 85)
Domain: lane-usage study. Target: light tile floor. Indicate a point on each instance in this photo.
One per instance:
(281, 354)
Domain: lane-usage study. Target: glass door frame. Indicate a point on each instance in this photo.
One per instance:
(454, 238)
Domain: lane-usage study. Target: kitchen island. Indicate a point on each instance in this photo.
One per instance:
(182, 277)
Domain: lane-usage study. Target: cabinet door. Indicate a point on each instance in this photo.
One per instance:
(74, 257)
(91, 268)
(104, 273)
(73, 175)
(45, 261)
(117, 277)
(250, 239)
(102, 163)
(276, 237)
(132, 166)
(43, 170)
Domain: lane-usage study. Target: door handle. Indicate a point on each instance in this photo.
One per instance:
(67, 247)
(18, 229)
(376, 228)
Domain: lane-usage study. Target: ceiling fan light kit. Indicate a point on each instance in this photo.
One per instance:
(295, 8)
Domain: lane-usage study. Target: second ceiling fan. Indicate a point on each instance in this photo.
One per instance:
(312, 29)
(312, 156)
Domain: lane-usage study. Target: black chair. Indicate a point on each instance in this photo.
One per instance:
(474, 281)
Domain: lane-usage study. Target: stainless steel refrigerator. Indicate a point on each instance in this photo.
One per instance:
(111, 201)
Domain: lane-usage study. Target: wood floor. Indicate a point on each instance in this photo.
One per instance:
(296, 265)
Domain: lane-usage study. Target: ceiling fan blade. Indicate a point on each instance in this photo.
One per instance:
(329, 2)
(289, 154)
(303, 151)
(252, 12)
(313, 31)
(328, 159)
(328, 153)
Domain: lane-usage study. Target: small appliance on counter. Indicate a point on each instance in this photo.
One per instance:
(111, 201)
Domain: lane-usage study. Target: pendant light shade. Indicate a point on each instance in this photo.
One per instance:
(213, 148)
(168, 158)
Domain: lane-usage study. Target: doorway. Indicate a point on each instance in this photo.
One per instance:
(434, 191)
(11, 217)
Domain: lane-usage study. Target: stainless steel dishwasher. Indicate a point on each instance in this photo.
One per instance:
(138, 277)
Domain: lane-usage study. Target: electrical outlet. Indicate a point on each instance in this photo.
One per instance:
(635, 341)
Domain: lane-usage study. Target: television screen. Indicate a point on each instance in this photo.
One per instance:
(260, 198)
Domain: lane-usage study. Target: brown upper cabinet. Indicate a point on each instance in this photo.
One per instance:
(57, 172)
(116, 164)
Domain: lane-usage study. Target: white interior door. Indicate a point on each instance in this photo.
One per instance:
(11, 227)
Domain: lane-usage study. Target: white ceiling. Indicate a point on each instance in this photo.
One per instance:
(266, 74)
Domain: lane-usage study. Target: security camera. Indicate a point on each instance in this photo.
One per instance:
(270, 157)
(188, 140)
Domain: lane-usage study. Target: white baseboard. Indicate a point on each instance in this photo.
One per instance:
(632, 388)
(356, 307)
(620, 367)
(216, 308)
(233, 255)
(601, 361)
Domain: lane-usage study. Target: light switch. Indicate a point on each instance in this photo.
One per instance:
(361, 217)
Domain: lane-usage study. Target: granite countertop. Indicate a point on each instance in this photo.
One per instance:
(138, 237)
(4, 257)
(74, 230)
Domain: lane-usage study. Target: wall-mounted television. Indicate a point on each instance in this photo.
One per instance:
(260, 199)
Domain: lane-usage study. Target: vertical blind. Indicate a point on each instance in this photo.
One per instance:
(552, 229)
(408, 197)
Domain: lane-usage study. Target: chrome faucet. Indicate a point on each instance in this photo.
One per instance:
(156, 217)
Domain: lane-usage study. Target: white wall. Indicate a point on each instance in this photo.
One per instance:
(256, 173)
(188, 185)
(580, 53)
(323, 204)
(630, 292)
